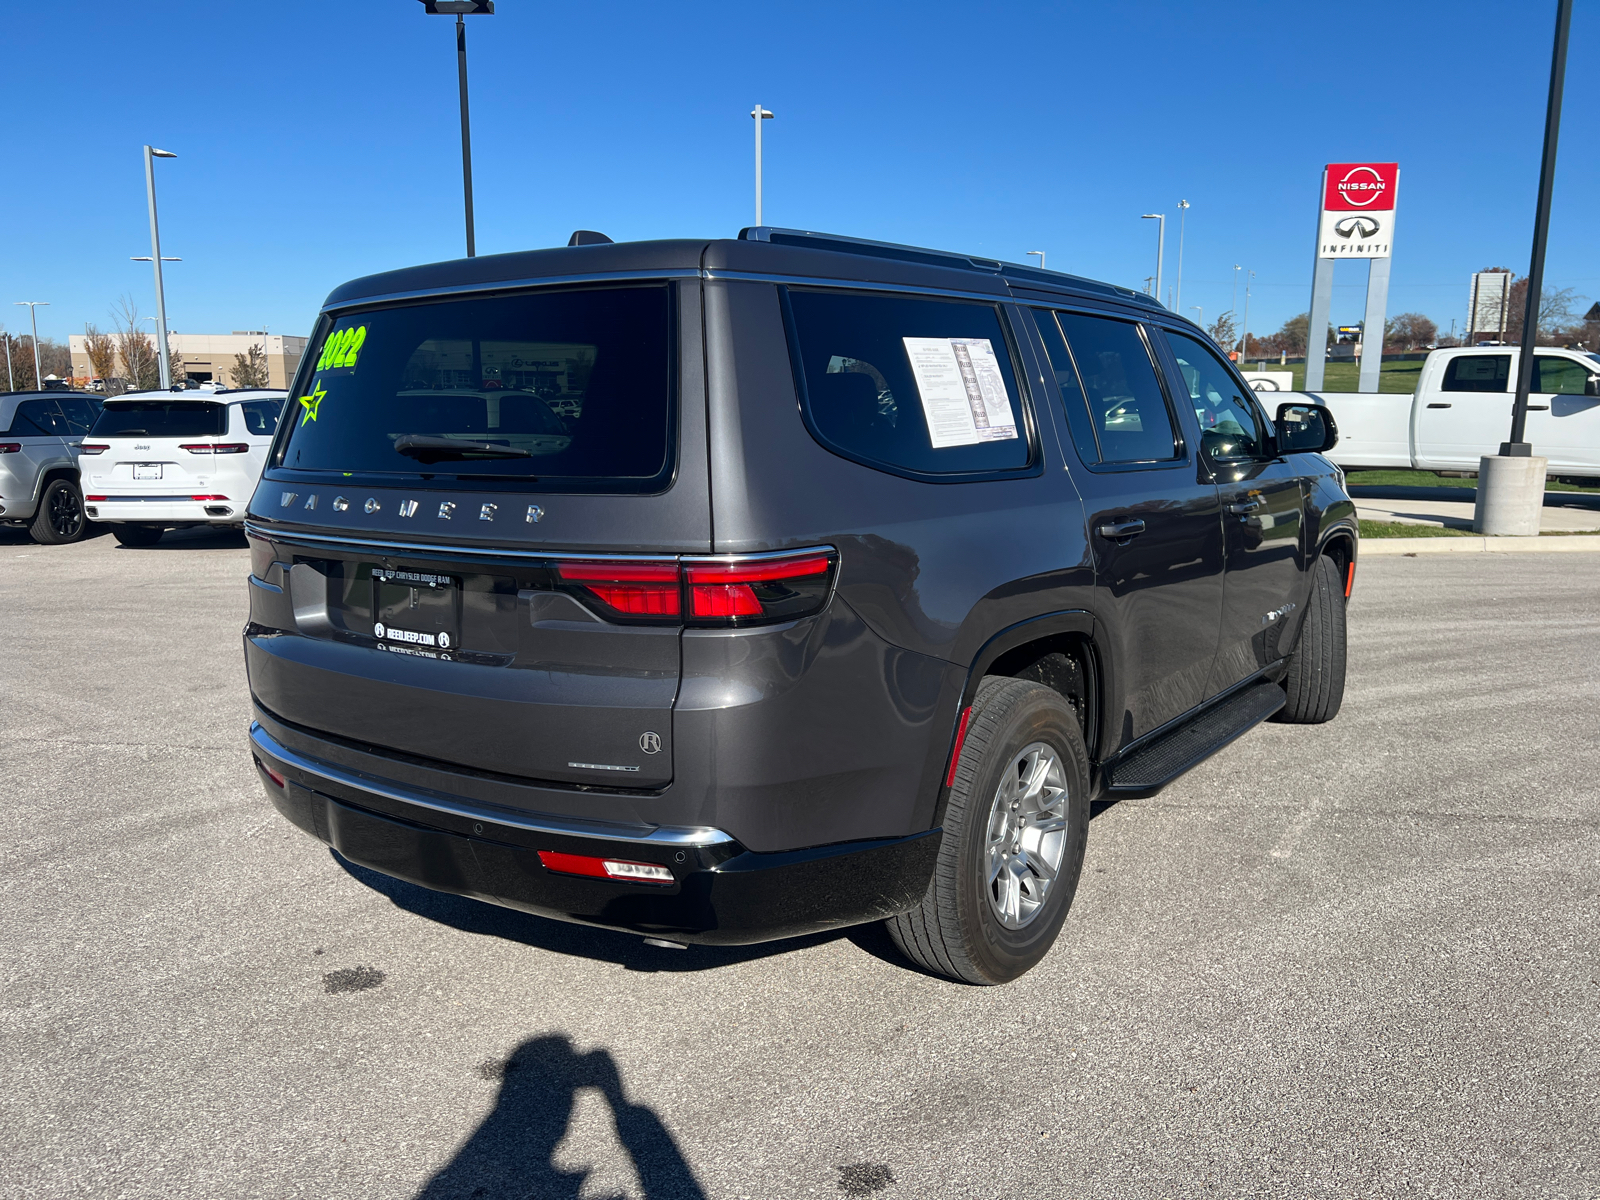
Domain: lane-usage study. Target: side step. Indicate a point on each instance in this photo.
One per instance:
(1151, 767)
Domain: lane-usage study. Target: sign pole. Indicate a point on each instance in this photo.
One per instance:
(1373, 324)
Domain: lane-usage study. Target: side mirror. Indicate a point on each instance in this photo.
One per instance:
(1592, 387)
(1305, 428)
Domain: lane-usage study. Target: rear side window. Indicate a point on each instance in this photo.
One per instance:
(555, 390)
(261, 416)
(37, 418)
(1477, 373)
(1126, 405)
(915, 386)
(80, 414)
(161, 419)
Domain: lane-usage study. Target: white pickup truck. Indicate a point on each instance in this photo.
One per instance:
(1461, 410)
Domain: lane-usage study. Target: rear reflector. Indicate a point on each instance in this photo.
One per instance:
(11, 448)
(955, 752)
(208, 497)
(604, 868)
(216, 448)
(92, 447)
(272, 775)
(1349, 580)
(94, 497)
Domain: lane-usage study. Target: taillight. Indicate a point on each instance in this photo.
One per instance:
(208, 497)
(10, 447)
(605, 868)
(641, 590)
(94, 498)
(216, 448)
(92, 447)
(777, 588)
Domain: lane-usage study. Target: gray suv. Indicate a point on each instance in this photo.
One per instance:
(39, 437)
(727, 591)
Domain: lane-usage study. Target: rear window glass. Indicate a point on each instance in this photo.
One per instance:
(161, 419)
(560, 389)
(37, 418)
(922, 386)
(261, 416)
(1477, 373)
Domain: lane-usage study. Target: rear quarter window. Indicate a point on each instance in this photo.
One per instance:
(261, 416)
(909, 385)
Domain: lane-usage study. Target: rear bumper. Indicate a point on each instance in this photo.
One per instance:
(162, 511)
(721, 894)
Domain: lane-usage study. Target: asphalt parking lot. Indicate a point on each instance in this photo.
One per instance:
(1350, 960)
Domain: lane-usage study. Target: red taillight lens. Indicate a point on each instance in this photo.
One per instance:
(208, 497)
(10, 447)
(92, 447)
(275, 776)
(216, 448)
(636, 589)
(774, 588)
(91, 499)
(605, 868)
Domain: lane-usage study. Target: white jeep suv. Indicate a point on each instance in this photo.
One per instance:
(163, 460)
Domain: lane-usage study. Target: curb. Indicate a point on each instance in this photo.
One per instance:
(1571, 543)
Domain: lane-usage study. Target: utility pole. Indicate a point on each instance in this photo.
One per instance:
(759, 114)
(1183, 214)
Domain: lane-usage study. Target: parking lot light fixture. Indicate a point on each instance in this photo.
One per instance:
(461, 9)
(1199, 315)
(38, 376)
(758, 115)
(150, 155)
(1040, 253)
(1161, 245)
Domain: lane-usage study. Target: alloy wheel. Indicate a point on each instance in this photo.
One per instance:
(1027, 835)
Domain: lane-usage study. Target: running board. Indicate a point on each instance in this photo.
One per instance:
(1151, 767)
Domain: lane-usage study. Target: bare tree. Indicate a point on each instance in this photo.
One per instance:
(1409, 331)
(1224, 331)
(140, 366)
(102, 351)
(250, 368)
(19, 350)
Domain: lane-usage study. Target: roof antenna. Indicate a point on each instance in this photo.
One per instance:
(588, 237)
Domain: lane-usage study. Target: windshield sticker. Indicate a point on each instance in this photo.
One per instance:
(312, 402)
(341, 348)
(964, 397)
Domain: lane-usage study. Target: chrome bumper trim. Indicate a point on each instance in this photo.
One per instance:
(610, 831)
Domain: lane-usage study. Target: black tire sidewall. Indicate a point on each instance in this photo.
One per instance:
(1002, 954)
(43, 530)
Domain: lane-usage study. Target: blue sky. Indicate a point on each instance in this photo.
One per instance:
(320, 141)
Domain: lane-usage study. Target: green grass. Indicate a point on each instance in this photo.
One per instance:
(1343, 376)
(1393, 529)
(1429, 479)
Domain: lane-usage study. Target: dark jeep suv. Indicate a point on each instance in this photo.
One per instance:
(728, 591)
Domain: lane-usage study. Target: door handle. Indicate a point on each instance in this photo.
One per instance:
(1114, 530)
(1243, 507)
(1438, 406)
(1538, 408)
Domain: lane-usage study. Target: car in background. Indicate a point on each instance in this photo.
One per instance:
(156, 461)
(39, 436)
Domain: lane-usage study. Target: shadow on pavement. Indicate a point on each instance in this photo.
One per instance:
(196, 537)
(512, 1153)
(583, 941)
(14, 535)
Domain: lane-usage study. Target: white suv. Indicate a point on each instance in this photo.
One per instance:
(160, 460)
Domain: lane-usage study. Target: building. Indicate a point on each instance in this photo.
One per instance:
(210, 357)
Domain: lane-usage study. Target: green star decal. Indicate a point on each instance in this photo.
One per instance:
(310, 403)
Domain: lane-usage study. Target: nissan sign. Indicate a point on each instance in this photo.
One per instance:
(1358, 201)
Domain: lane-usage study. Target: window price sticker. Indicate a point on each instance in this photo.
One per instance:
(964, 398)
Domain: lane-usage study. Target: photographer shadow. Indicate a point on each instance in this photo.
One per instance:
(512, 1154)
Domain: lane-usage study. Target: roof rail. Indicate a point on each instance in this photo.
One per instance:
(1012, 272)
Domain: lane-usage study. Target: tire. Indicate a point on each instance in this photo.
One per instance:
(959, 930)
(1314, 681)
(137, 535)
(60, 518)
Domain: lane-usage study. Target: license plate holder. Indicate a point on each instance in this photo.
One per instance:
(416, 609)
(147, 470)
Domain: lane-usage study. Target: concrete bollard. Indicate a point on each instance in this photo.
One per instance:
(1510, 496)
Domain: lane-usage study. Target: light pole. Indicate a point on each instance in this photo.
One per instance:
(150, 155)
(461, 9)
(758, 115)
(1040, 253)
(1161, 245)
(1200, 319)
(38, 375)
(1244, 333)
(11, 376)
(1234, 307)
(1183, 213)
(1149, 282)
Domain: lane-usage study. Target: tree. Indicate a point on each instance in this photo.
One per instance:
(19, 353)
(140, 365)
(1224, 331)
(102, 351)
(1410, 331)
(1292, 337)
(250, 368)
(1557, 311)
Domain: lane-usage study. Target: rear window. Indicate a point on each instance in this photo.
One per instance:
(563, 390)
(917, 386)
(1477, 373)
(161, 419)
(261, 416)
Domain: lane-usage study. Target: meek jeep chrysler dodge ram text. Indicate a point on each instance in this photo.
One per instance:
(728, 591)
